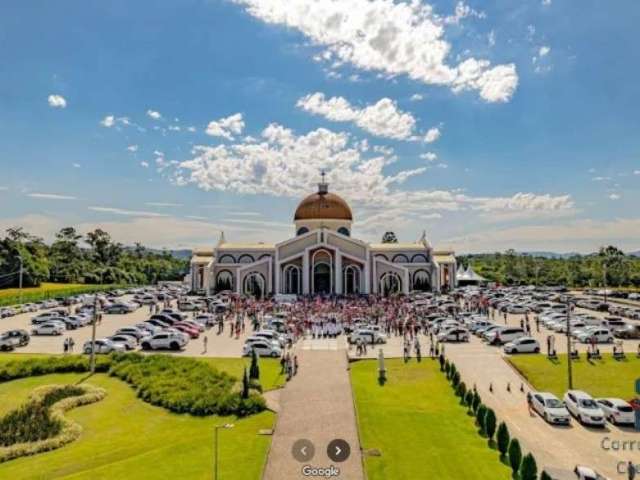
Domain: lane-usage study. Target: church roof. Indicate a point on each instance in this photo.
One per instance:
(396, 246)
(323, 205)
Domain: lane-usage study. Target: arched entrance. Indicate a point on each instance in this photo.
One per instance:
(351, 279)
(292, 280)
(422, 281)
(254, 285)
(322, 280)
(390, 284)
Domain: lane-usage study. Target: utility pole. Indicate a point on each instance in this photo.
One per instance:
(604, 279)
(92, 362)
(20, 279)
(569, 359)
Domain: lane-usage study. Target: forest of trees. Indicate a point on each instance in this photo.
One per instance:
(72, 258)
(512, 268)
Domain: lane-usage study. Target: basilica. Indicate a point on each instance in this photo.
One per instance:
(322, 258)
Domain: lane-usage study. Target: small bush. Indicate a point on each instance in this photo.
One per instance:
(476, 401)
(503, 439)
(480, 413)
(489, 423)
(515, 456)
(46, 365)
(528, 469)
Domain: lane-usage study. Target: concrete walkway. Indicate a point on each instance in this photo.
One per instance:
(317, 405)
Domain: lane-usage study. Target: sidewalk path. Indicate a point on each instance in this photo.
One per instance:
(317, 405)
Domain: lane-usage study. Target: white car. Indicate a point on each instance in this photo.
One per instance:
(584, 408)
(617, 411)
(167, 340)
(503, 335)
(522, 345)
(128, 341)
(263, 348)
(367, 335)
(586, 473)
(103, 345)
(455, 334)
(598, 335)
(133, 331)
(271, 335)
(256, 339)
(205, 319)
(44, 317)
(50, 304)
(549, 407)
(49, 328)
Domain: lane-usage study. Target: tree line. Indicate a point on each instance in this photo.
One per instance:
(93, 258)
(610, 266)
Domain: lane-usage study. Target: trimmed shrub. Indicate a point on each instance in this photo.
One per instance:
(254, 371)
(490, 423)
(503, 439)
(455, 378)
(545, 476)
(482, 411)
(30, 435)
(46, 365)
(447, 369)
(515, 456)
(476, 401)
(529, 469)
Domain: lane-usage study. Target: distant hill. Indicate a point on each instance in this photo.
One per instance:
(635, 254)
(181, 254)
(551, 254)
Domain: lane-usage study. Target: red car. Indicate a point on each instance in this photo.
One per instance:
(188, 329)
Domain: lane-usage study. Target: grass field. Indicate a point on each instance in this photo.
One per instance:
(11, 296)
(604, 378)
(419, 426)
(125, 437)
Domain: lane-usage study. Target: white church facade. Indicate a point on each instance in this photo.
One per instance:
(322, 258)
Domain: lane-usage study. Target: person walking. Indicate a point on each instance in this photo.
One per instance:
(65, 345)
(631, 470)
(205, 341)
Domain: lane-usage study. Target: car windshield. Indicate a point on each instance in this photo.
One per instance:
(588, 403)
(553, 403)
(625, 408)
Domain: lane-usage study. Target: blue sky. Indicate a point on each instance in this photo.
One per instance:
(489, 124)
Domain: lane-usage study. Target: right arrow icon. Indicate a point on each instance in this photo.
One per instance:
(338, 450)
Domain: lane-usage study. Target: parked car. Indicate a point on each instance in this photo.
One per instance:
(128, 341)
(522, 345)
(44, 317)
(598, 335)
(49, 328)
(629, 332)
(120, 308)
(586, 473)
(584, 408)
(136, 332)
(617, 411)
(368, 336)
(455, 334)
(102, 345)
(166, 340)
(188, 329)
(264, 348)
(549, 407)
(504, 335)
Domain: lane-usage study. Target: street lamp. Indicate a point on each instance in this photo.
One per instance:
(215, 447)
(92, 361)
(569, 358)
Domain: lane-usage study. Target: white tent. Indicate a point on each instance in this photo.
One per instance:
(469, 277)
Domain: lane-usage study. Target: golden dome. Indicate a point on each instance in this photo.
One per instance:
(323, 205)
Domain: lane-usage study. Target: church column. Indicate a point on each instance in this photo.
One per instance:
(366, 272)
(305, 273)
(278, 271)
(338, 274)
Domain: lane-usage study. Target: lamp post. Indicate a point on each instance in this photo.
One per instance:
(215, 447)
(569, 359)
(92, 362)
(20, 279)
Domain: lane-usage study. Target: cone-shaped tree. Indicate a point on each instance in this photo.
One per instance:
(482, 411)
(529, 469)
(515, 456)
(468, 399)
(245, 384)
(476, 401)
(490, 422)
(254, 370)
(503, 439)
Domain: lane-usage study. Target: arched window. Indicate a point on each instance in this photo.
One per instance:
(400, 258)
(224, 281)
(351, 279)
(245, 258)
(379, 255)
(264, 255)
(419, 258)
(292, 279)
(344, 231)
(322, 278)
(390, 284)
(302, 230)
(226, 259)
(421, 281)
(254, 285)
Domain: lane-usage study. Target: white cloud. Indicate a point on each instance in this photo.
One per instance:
(431, 216)
(51, 196)
(636, 172)
(601, 179)
(429, 156)
(121, 211)
(614, 196)
(416, 97)
(57, 101)
(382, 119)
(191, 129)
(491, 38)
(76, 165)
(226, 127)
(546, 3)
(132, 148)
(285, 164)
(462, 11)
(544, 51)
(154, 114)
(108, 121)
(393, 38)
(144, 164)
(432, 135)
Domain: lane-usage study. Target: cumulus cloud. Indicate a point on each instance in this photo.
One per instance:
(283, 163)
(226, 127)
(429, 156)
(383, 118)
(57, 101)
(392, 38)
(144, 164)
(614, 196)
(76, 165)
(544, 51)
(132, 148)
(108, 121)
(432, 135)
(416, 97)
(546, 3)
(154, 114)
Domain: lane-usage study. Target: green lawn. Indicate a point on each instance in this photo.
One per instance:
(419, 426)
(602, 378)
(125, 437)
